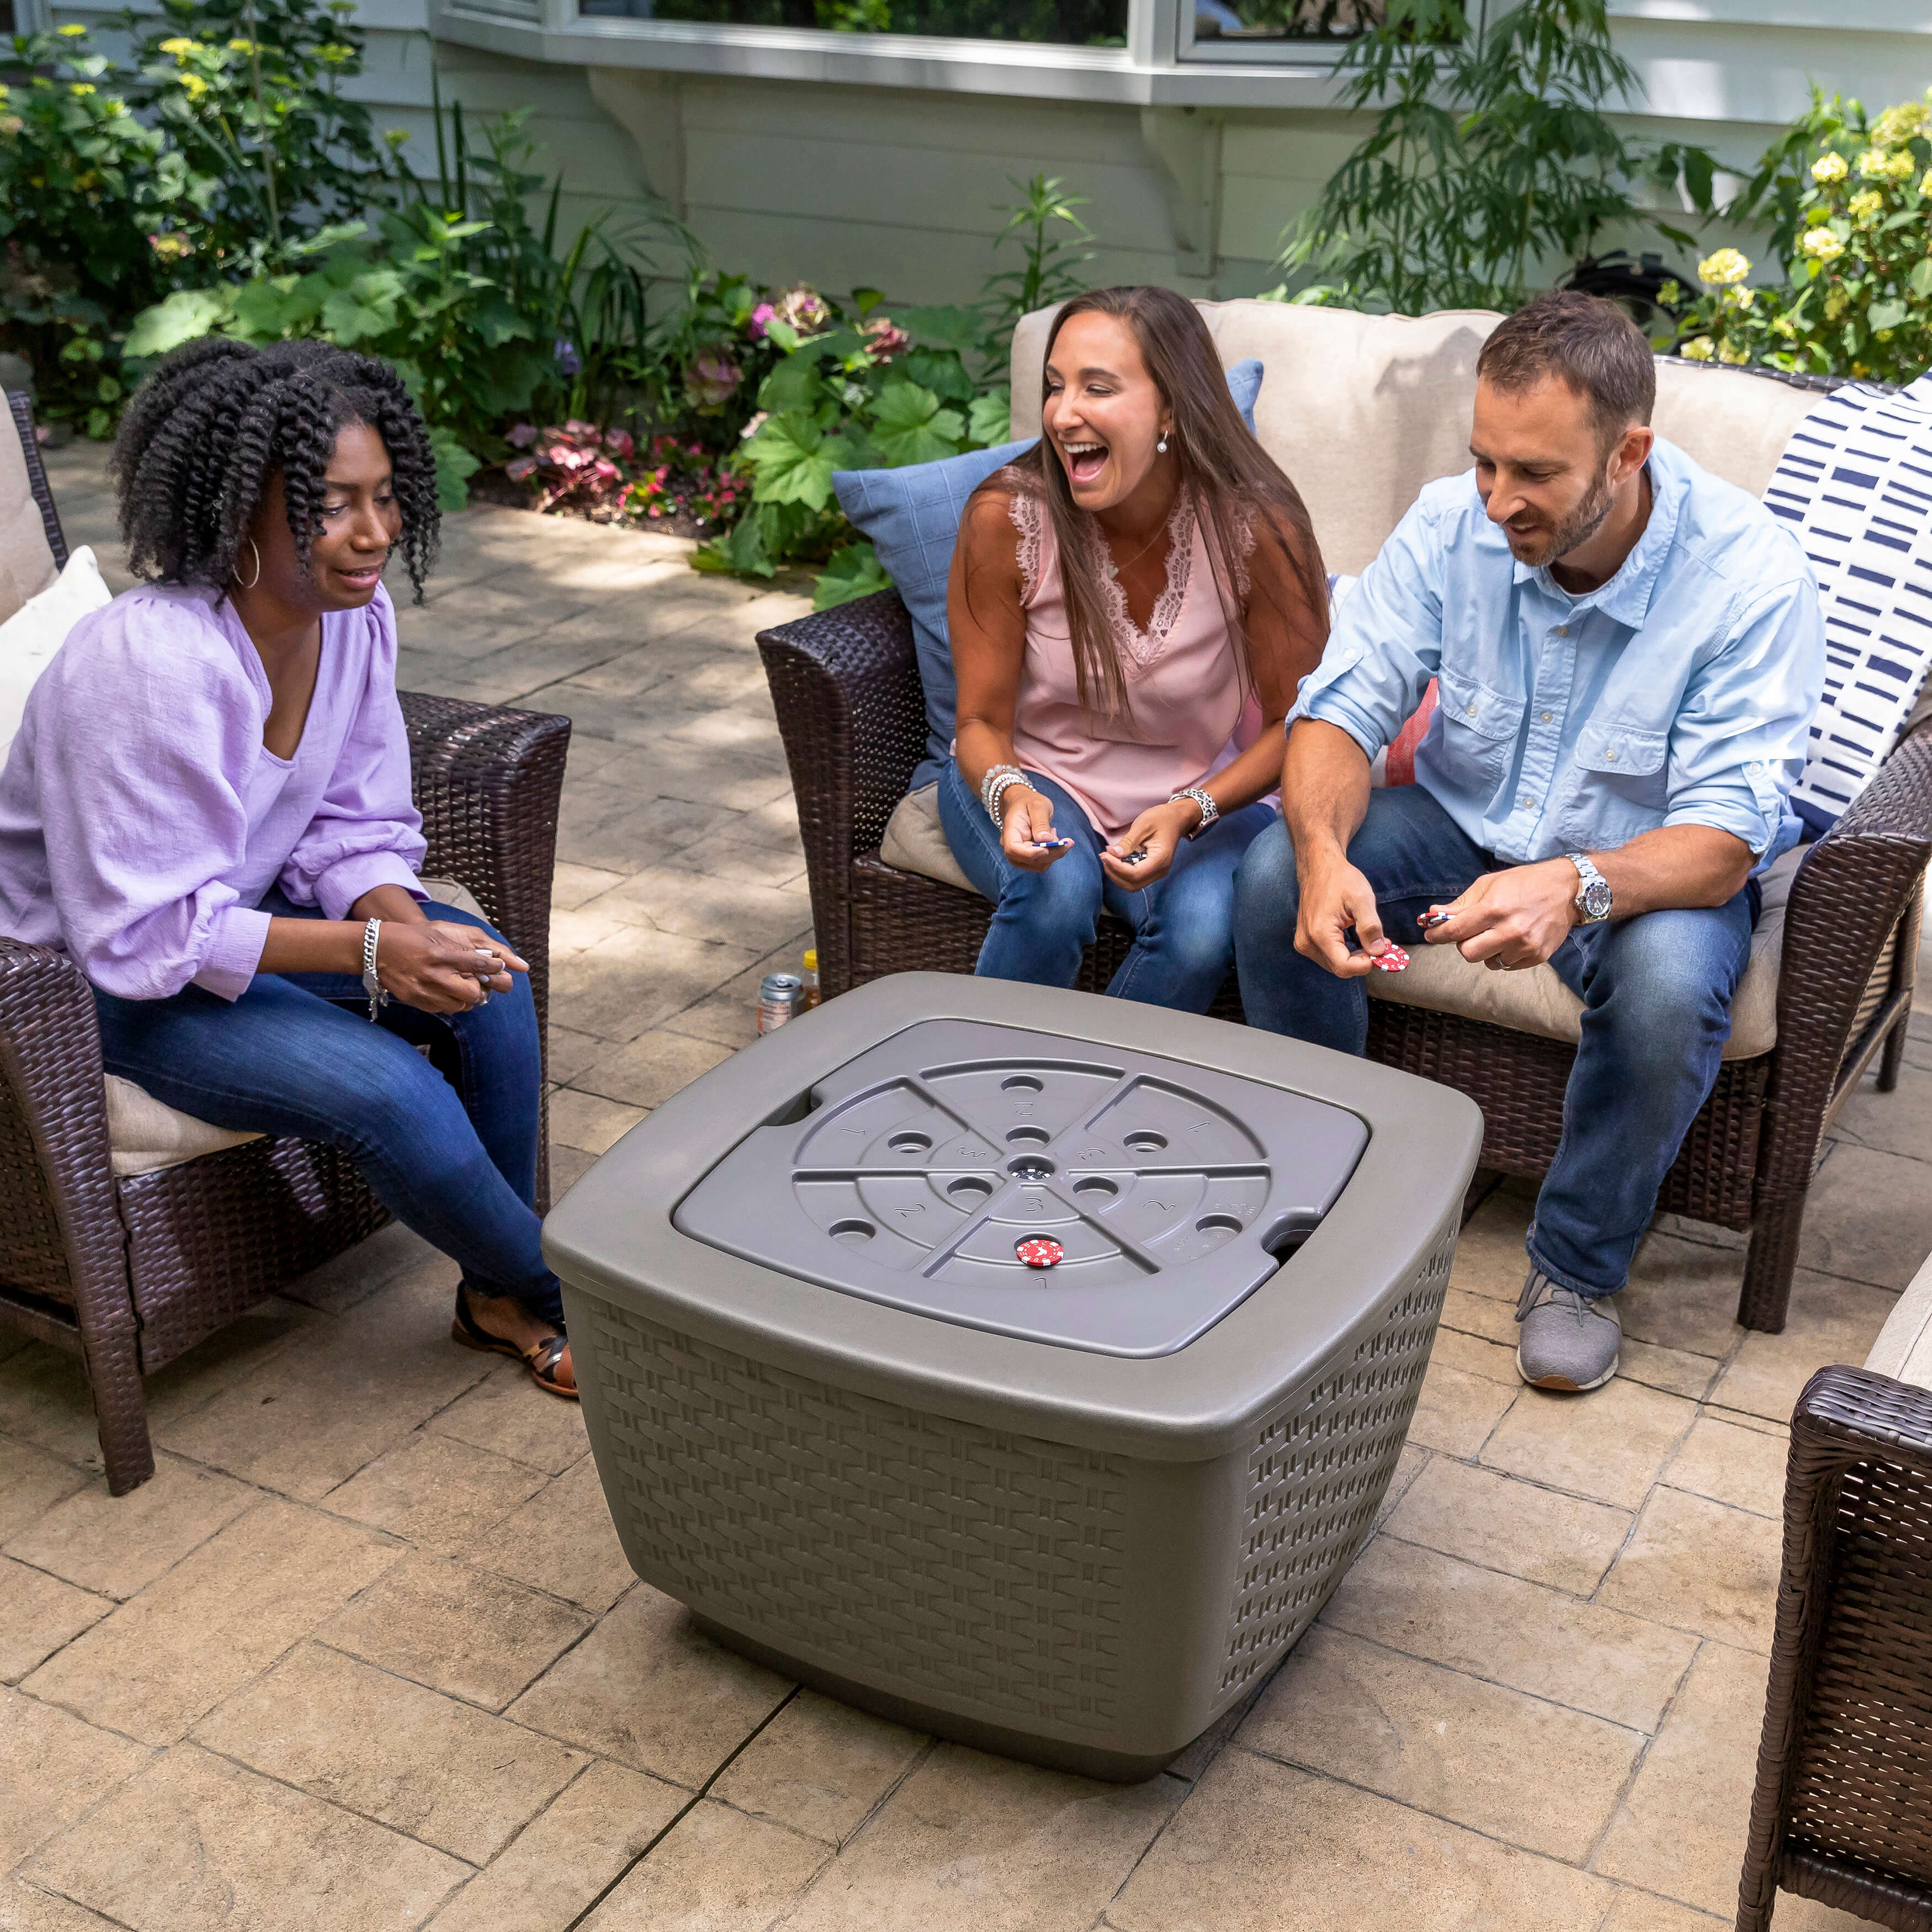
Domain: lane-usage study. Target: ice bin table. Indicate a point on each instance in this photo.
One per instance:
(1073, 1510)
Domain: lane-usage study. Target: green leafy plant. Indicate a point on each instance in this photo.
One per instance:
(1851, 204)
(1051, 239)
(1492, 160)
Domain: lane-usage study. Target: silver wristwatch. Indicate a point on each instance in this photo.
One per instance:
(1593, 901)
(1201, 797)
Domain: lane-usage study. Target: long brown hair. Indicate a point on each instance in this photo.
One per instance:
(1236, 486)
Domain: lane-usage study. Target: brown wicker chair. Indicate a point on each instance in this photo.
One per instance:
(1844, 1781)
(127, 1272)
(849, 703)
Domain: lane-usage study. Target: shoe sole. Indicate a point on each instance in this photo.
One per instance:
(1562, 1383)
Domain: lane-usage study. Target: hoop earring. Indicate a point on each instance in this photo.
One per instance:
(1161, 446)
(257, 578)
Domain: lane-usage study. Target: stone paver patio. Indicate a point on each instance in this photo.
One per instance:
(365, 1654)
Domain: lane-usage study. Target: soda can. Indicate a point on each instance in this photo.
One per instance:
(778, 1000)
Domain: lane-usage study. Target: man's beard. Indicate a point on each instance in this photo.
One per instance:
(1576, 530)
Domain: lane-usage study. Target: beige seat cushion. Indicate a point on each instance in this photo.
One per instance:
(26, 562)
(1903, 1349)
(1362, 410)
(145, 1135)
(1438, 977)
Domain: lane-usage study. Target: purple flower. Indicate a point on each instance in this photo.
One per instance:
(519, 467)
(712, 378)
(762, 314)
(568, 360)
(522, 436)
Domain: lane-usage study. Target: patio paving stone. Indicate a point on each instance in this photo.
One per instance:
(372, 1558)
(716, 1869)
(194, 1843)
(819, 1767)
(1532, 1773)
(1503, 1523)
(442, 1771)
(1544, 1643)
(456, 1628)
(561, 1861)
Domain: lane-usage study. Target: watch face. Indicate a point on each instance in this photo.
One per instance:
(1597, 899)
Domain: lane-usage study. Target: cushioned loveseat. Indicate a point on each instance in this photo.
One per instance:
(1362, 411)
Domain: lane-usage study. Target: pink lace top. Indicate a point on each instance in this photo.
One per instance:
(1191, 715)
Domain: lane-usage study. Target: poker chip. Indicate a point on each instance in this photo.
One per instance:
(1392, 961)
(1041, 1251)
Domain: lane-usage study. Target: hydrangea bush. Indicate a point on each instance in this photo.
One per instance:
(1853, 204)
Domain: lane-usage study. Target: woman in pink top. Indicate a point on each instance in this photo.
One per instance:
(1132, 605)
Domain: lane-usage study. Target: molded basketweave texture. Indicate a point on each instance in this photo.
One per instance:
(982, 1565)
(1319, 1471)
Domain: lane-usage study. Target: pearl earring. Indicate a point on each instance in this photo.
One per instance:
(1161, 445)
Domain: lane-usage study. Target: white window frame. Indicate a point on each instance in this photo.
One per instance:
(1156, 68)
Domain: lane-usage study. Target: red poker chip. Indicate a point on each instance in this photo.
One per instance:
(1392, 961)
(1041, 1251)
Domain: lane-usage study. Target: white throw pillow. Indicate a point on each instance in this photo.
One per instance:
(29, 638)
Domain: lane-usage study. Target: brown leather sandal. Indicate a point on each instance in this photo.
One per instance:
(541, 1358)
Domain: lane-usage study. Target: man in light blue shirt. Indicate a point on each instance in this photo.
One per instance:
(1628, 653)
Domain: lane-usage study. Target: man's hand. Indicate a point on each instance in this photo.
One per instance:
(1027, 824)
(1335, 897)
(1158, 833)
(439, 966)
(1512, 918)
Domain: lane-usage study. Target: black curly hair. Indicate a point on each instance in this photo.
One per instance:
(216, 418)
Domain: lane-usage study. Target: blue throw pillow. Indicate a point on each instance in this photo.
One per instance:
(911, 518)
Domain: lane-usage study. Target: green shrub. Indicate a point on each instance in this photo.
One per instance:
(1851, 200)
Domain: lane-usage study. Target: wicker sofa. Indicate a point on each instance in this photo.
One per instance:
(126, 1262)
(1844, 1778)
(1833, 972)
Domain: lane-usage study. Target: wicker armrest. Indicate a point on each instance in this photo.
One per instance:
(845, 683)
(60, 1235)
(488, 782)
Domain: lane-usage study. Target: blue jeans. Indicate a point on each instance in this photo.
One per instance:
(1656, 990)
(447, 1144)
(1183, 924)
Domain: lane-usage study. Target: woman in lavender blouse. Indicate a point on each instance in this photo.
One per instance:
(207, 808)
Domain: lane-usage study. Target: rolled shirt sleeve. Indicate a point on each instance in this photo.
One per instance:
(1388, 640)
(131, 739)
(1742, 733)
(366, 831)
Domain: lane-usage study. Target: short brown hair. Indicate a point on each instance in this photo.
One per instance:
(1584, 341)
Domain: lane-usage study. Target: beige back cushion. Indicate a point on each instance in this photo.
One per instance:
(26, 562)
(1362, 410)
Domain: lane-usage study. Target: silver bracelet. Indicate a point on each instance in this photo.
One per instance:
(996, 784)
(1210, 810)
(378, 996)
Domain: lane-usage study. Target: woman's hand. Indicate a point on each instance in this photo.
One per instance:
(1158, 833)
(1027, 827)
(439, 966)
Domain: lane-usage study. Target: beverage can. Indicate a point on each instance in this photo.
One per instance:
(778, 1000)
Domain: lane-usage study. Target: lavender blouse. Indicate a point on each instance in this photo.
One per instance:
(143, 820)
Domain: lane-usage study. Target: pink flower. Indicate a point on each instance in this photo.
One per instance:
(522, 436)
(886, 339)
(762, 314)
(804, 309)
(574, 427)
(618, 442)
(712, 378)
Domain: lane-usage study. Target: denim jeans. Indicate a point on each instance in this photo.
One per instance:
(1183, 924)
(447, 1144)
(1656, 989)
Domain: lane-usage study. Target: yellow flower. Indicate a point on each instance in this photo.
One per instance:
(1784, 326)
(1897, 125)
(1741, 299)
(240, 47)
(81, 87)
(1699, 350)
(1867, 201)
(72, 33)
(1859, 369)
(335, 53)
(1829, 168)
(1822, 245)
(171, 248)
(195, 85)
(1875, 164)
(1836, 305)
(1721, 270)
(1882, 335)
(1728, 352)
(181, 44)
(1925, 182)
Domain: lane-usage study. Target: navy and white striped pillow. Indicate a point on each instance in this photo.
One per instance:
(1855, 480)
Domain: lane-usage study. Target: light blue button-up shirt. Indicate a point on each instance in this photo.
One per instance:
(1681, 692)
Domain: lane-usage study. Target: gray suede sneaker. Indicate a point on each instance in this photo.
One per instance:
(1567, 1340)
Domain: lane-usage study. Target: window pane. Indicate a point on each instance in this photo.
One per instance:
(1084, 23)
(1240, 20)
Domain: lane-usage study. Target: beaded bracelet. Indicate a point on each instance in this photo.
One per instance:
(995, 785)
